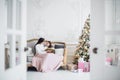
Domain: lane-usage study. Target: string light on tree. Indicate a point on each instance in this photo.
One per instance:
(82, 50)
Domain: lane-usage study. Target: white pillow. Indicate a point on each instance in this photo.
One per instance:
(59, 51)
(29, 51)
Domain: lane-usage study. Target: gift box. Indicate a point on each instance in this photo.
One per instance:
(80, 65)
(72, 67)
(83, 66)
(87, 67)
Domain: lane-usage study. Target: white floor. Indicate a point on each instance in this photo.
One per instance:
(58, 75)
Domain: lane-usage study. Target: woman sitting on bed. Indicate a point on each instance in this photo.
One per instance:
(43, 61)
(42, 45)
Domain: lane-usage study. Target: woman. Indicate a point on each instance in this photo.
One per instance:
(43, 61)
(41, 46)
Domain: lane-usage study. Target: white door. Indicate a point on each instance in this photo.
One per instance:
(105, 31)
(12, 39)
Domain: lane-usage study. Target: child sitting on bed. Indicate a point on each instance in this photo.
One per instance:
(49, 49)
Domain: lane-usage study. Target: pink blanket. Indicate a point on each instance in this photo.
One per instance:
(47, 62)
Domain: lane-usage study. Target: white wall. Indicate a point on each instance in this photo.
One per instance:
(57, 20)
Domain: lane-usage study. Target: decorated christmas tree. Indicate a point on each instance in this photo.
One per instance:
(82, 50)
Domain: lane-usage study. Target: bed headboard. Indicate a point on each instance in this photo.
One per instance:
(56, 45)
(31, 43)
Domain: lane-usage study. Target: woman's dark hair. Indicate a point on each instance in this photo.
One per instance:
(50, 44)
(38, 42)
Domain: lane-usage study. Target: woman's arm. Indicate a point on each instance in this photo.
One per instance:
(40, 49)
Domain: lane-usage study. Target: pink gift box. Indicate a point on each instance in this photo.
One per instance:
(87, 67)
(80, 65)
(84, 65)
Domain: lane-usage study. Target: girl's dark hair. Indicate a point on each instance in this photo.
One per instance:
(50, 44)
(38, 42)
